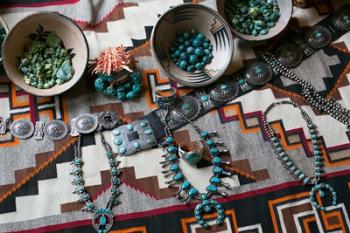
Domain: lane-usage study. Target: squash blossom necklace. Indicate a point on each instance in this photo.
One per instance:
(102, 219)
(317, 186)
(186, 191)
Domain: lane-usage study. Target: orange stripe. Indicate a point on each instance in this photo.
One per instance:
(54, 155)
(271, 203)
(65, 109)
(306, 222)
(15, 102)
(131, 230)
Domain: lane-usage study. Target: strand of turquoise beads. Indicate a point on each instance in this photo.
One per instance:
(103, 217)
(187, 191)
(317, 186)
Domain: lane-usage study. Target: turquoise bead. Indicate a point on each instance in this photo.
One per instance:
(183, 56)
(199, 52)
(190, 68)
(217, 160)
(190, 50)
(210, 142)
(121, 96)
(179, 176)
(173, 158)
(205, 98)
(171, 149)
(193, 59)
(199, 66)
(148, 131)
(217, 170)
(215, 180)
(169, 139)
(136, 145)
(185, 185)
(118, 141)
(212, 188)
(193, 192)
(197, 43)
(183, 65)
(130, 95)
(122, 150)
(174, 167)
(322, 194)
(204, 197)
(214, 151)
(143, 124)
(204, 134)
(130, 127)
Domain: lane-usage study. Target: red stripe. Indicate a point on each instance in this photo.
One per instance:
(38, 4)
(174, 208)
(32, 108)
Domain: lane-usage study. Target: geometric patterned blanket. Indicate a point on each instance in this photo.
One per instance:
(35, 185)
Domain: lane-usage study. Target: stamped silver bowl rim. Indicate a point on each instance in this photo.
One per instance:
(226, 61)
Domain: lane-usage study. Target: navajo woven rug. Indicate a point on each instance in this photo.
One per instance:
(35, 185)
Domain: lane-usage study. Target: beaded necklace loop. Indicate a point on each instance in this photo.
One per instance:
(281, 154)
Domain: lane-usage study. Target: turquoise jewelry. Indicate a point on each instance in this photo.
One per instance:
(125, 88)
(191, 51)
(186, 191)
(193, 154)
(317, 186)
(102, 220)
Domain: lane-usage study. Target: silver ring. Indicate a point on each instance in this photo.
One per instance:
(192, 154)
(163, 99)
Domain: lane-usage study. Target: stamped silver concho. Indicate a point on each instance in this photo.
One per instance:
(189, 107)
(107, 120)
(56, 130)
(342, 20)
(289, 55)
(85, 124)
(22, 129)
(318, 37)
(224, 92)
(258, 73)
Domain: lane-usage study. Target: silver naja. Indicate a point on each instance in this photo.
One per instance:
(56, 130)
(86, 123)
(22, 129)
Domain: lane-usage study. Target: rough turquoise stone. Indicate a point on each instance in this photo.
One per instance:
(212, 188)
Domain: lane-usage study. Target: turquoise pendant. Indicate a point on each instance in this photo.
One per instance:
(103, 220)
(206, 206)
(320, 188)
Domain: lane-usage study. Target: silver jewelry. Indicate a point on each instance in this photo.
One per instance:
(224, 92)
(342, 20)
(39, 130)
(107, 120)
(3, 125)
(22, 129)
(289, 55)
(166, 99)
(188, 106)
(318, 37)
(258, 73)
(56, 130)
(85, 124)
(191, 154)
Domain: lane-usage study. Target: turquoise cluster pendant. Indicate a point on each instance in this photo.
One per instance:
(186, 192)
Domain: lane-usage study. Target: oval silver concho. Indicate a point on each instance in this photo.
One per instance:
(258, 73)
(342, 20)
(289, 55)
(86, 123)
(318, 37)
(188, 107)
(224, 92)
(22, 129)
(56, 130)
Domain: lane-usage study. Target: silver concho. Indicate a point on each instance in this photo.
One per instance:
(108, 120)
(258, 73)
(224, 92)
(22, 129)
(342, 20)
(86, 123)
(188, 107)
(318, 37)
(56, 130)
(289, 55)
